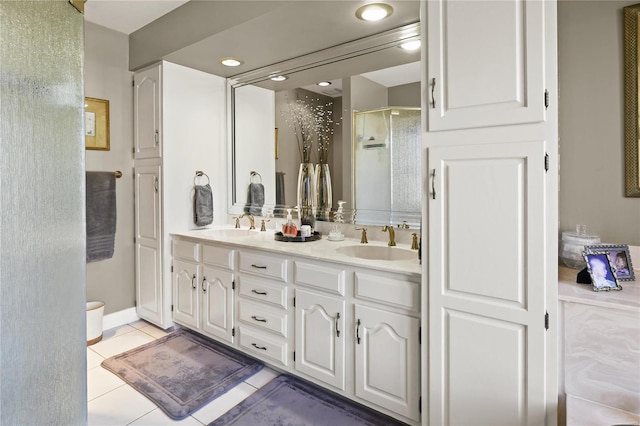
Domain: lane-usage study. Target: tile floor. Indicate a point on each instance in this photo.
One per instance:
(113, 402)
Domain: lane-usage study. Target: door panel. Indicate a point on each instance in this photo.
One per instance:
(217, 311)
(320, 337)
(185, 293)
(485, 77)
(147, 113)
(387, 353)
(487, 275)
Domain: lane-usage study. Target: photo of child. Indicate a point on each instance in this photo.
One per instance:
(620, 263)
(601, 274)
(620, 259)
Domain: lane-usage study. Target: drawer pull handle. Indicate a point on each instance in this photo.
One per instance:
(258, 319)
(204, 279)
(261, 293)
(193, 282)
(358, 331)
(258, 266)
(337, 329)
(262, 348)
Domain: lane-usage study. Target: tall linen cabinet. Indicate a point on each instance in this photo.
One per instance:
(178, 129)
(490, 166)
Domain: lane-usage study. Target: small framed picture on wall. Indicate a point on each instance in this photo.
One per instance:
(96, 124)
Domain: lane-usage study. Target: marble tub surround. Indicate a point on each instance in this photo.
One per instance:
(321, 249)
(601, 352)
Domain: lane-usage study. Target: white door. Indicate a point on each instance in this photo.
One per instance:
(147, 113)
(486, 284)
(216, 286)
(387, 360)
(486, 63)
(320, 348)
(186, 300)
(149, 294)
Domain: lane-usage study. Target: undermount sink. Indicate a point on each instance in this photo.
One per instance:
(231, 232)
(377, 252)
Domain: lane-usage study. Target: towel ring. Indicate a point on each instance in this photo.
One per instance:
(254, 174)
(200, 173)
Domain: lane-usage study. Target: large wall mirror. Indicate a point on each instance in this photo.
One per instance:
(631, 93)
(367, 131)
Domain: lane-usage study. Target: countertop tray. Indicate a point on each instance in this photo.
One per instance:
(297, 239)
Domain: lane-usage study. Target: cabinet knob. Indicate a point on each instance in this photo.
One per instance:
(337, 324)
(358, 331)
(204, 279)
(261, 293)
(262, 348)
(258, 319)
(193, 281)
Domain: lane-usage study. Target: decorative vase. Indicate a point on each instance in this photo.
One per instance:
(307, 194)
(323, 192)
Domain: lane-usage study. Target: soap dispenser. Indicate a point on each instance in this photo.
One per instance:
(289, 229)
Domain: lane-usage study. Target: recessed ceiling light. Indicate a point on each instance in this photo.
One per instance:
(324, 83)
(411, 45)
(374, 11)
(279, 78)
(230, 62)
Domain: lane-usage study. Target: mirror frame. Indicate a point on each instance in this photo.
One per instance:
(631, 131)
(370, 44)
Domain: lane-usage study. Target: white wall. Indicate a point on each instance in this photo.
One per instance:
(591, 115)
(107, 76)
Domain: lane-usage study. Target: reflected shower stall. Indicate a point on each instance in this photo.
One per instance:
(386, 171)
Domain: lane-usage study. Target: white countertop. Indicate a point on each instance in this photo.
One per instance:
(322, 249)
(627, 299)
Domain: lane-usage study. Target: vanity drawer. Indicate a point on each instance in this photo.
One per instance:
(265, 266)
(390, 291)
(261, 316)
(262, 290)
(186, 250)
(323, 277)
(269, 347)
(218, 256)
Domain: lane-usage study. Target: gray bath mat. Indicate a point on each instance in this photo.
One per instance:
(289, 401)
(182, 371)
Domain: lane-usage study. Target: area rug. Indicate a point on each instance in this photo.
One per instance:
(289, 401)
(182, 371)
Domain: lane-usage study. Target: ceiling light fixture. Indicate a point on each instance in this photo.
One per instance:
(374, 11)
(230, 62)
(279, 78)
(324, 83)
(411, 45)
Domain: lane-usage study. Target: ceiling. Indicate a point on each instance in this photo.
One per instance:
(260, 32)
(127, 16)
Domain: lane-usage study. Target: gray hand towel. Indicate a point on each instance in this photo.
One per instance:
(203, 205)
(255, 199)
(101, 215)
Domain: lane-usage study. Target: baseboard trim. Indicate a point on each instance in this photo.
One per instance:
(116, 319)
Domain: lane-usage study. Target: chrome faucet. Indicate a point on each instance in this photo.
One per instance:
(252, 221)
(392, 234)
(363, 238)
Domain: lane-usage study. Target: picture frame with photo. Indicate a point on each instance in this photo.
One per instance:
(620, 258)
(601, 271)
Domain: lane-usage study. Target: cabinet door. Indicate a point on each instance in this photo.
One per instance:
(487, 284)
(387, 360)
(217, 308)
(147, 113)
(320, 348)
(485, 62)
(149, 294)
(186, 309)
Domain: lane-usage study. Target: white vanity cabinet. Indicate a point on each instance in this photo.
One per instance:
(203, 281)
(347, 327)
(264, 316)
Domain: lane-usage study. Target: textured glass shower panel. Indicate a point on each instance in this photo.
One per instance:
(405, 167)
(387, 164)
(42, 262)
